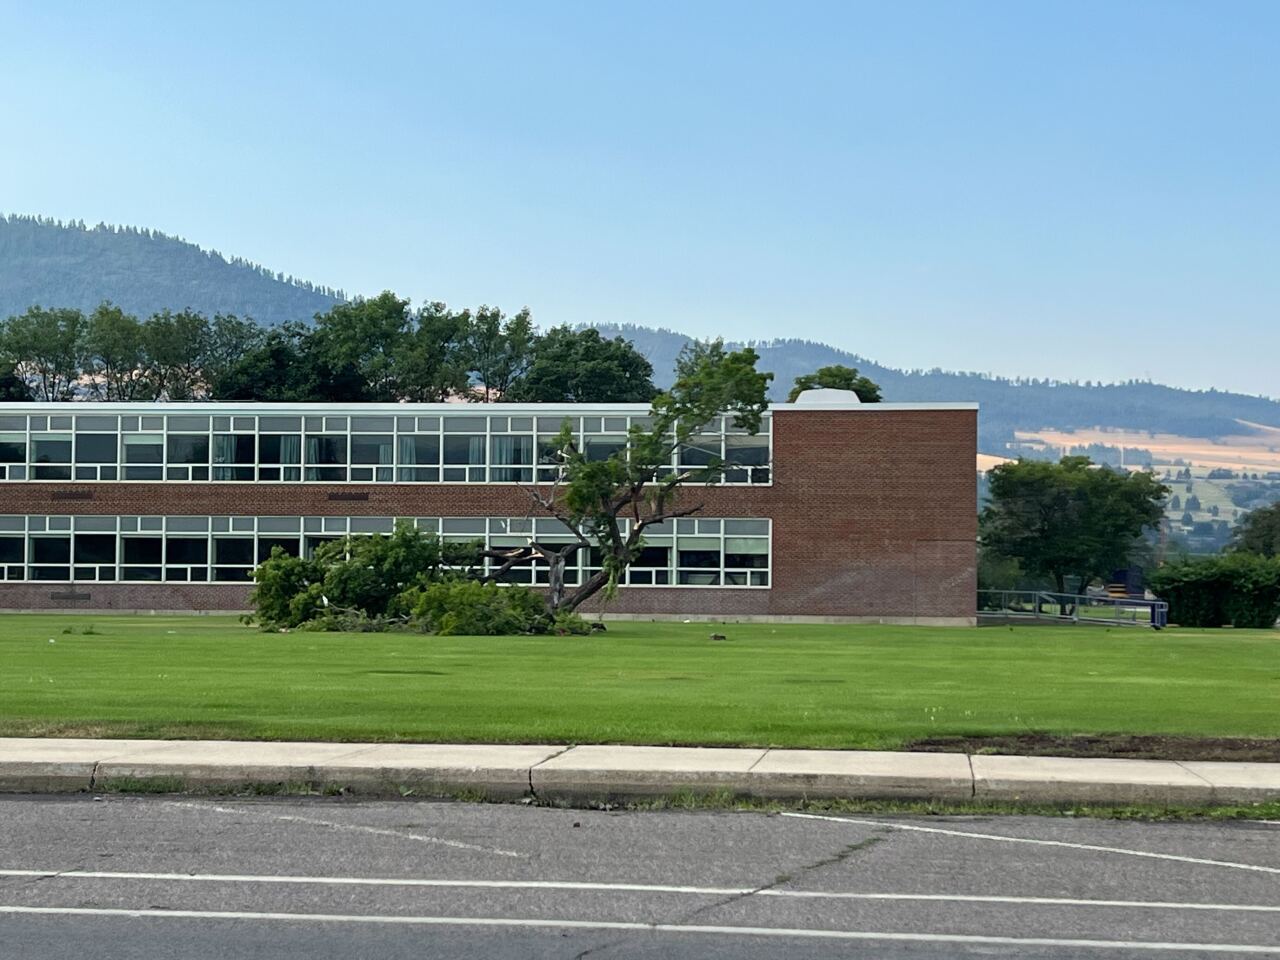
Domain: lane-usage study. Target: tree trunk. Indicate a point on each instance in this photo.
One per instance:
(556, 563)
(581, 594)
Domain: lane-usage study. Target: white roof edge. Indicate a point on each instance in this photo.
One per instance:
(872, 407)
(223, 406)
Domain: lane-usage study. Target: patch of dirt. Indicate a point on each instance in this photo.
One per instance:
(1123, 745)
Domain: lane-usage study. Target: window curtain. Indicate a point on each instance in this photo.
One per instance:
(475, 450)
(313, 450)
(223, 448)
(408, 451)
(291, 448)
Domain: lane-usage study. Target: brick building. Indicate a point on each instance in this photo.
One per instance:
(834, 510)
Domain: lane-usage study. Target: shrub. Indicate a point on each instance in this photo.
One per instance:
(473, 608)
(286, 590)
(1240, 589)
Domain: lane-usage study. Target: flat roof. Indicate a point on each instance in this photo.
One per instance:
(224, 406)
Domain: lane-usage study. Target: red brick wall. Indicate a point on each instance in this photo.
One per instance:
(874, 516)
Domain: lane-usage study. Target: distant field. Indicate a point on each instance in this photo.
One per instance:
(799, 686)
(1256, 448)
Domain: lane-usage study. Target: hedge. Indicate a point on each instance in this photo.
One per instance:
(1240, 589)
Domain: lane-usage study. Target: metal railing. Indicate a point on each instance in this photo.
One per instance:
(1071, 608)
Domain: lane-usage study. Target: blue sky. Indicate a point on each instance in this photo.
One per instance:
(1083, 190)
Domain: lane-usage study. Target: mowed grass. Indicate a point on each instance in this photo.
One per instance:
(668, 683)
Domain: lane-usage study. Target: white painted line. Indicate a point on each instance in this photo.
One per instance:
(585, 886)
(349, 827)
(1092, 848)
(721, 931)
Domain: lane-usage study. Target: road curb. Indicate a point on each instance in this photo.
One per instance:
(608, 773)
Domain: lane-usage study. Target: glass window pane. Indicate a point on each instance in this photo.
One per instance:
(13, 448)
(464, 449)
(144, 448)
(423, 448)
(95, 548)
(276, 448)
(602, 448)
(50, 549)
(179, 424)
(188, 448)
(234, 448)
(52, 449)
(265, 544)
(375, 448)
(233, 551)
(142, 549)
(96, 447)
(326, 449)
(187, 550)
(11, 549)
(280, 424)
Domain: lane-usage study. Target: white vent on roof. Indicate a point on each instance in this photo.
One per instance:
(827, 395)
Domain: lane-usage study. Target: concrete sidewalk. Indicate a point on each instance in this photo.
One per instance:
(589, 773)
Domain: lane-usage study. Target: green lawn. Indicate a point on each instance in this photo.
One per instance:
(782, 685)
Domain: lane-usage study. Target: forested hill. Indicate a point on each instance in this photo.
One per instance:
(55, 264)
(1006, 404)
(71, 265)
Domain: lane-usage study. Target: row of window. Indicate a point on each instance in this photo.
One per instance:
(340, 449)
(730, 552)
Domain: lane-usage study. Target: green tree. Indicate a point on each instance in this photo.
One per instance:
(115, 355)
(1259, 532)
(1069, 519)
(230, 339)
(46, 348)
(580, 366)
(176, 345)
(430, 366)
(269, 371)
(365, 336)
(13, 389)
(498, 350)
(591, 497)
(837, 377)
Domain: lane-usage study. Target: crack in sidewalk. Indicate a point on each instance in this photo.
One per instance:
(532, 792)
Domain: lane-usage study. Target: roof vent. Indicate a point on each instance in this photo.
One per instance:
(827, 395)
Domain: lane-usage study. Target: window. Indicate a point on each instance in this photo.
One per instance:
(276, 451)
(50, 558)
(186, 550)
(691, 551)
(326, 457)
(52, 456)
(143, 456)
(511, 458)
(188, 448)
(96, 448)
(378, 451)
(13, 448)
(233, 559)
(747, 459)
(464, 457)
(95, 548)
(603, 447)
(188, 455)
(233, 456)
(418, 449)
(265, 545)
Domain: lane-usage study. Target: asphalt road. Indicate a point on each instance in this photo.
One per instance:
(159, 877)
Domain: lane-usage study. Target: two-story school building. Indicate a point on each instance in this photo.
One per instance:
(834, 510)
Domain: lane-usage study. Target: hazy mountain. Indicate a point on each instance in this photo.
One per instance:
(54, 264)
(57, 265)
(1006, 404)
